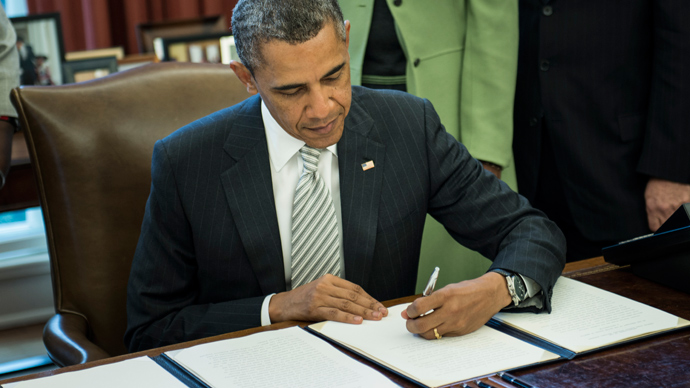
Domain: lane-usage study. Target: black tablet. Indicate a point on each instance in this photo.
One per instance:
(662, 257)
(649, 247)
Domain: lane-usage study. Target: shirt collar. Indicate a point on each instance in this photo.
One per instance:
(281, 145)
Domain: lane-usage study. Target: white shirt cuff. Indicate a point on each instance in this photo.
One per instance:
(265, 316)
(534, 296)
(532, 287)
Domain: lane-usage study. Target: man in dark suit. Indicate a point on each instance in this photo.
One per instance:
(26, 62)
(222, 230)
(601, 116)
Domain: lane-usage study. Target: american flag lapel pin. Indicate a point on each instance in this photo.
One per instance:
(368, 165)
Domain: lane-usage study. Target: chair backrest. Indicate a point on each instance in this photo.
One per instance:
(91, 146)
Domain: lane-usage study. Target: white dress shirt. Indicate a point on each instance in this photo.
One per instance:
(286, 167)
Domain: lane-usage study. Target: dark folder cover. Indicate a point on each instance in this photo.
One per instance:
(663, 256)
(179, 372)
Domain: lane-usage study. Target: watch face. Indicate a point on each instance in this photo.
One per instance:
(520, 289)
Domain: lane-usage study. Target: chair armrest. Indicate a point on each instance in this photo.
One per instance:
(66, 339)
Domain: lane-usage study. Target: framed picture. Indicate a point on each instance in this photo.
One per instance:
(117, 52)
(205, 48)
(147, 32)
(41, 48)
(135, 60)
(228, 51)
(88, 69)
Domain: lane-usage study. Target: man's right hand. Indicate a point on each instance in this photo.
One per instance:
(328, 298)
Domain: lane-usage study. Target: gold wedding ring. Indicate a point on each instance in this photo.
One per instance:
(438, 336)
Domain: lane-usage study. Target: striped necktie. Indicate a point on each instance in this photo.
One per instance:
(315, 243)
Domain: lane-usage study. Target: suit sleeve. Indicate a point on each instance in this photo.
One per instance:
(163, 288)
(666, 150)
(488, 79)
(484, 214)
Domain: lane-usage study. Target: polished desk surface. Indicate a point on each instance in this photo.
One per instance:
(660, 361)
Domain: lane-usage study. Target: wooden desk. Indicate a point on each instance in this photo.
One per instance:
(662, 361)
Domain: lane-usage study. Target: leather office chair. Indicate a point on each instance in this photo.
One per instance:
(91, 146)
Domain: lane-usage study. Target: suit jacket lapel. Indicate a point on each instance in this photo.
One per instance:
(249, 192)
(359, 192)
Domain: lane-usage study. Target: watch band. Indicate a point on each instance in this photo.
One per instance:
(510, 280)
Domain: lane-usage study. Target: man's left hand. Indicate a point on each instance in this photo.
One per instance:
(459, 308)
(663, 198)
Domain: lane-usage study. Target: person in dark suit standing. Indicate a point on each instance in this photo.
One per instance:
(26, 62)
(307, 201)
(601, 116)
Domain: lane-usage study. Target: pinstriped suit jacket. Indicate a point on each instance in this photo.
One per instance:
(210, 249)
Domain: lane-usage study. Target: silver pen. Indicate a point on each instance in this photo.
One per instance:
(431, 283)
(430, 288)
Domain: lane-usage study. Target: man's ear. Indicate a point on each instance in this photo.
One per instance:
(245, 76)
(347, 34)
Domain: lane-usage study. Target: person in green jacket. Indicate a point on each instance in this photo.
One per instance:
(462, 56)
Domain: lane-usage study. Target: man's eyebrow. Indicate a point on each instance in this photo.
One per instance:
(295, 86)
(287, 87)
(334, 70)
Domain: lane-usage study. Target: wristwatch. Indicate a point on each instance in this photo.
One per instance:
(516, 286)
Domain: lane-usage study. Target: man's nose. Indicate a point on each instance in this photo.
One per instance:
(319, 103)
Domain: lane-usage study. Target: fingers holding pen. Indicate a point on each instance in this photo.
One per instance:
(424, 315)
(435, 316)
(428, 327)
(459, 308)
(424, 305)
(413, 310)
(417, 313)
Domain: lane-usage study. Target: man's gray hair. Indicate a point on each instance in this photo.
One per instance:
(256, 22)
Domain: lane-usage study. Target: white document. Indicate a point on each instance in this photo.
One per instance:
(434, 362)
(586, 317)
(140, 372)
(279, 358)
